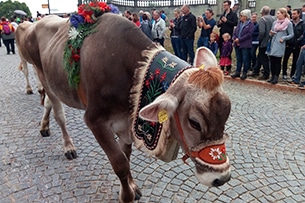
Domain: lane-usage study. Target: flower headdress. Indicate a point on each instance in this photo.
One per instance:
(82, 25)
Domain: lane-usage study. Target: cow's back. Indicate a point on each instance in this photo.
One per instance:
(109, 57)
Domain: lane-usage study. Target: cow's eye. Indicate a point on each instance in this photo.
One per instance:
(195, 124)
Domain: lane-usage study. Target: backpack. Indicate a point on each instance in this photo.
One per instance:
(6, 29)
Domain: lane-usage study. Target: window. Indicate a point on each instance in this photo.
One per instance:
(252, 3)
(212, 2)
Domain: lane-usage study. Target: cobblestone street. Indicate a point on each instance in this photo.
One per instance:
(266, 149)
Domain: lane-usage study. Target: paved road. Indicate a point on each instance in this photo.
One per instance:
(266, 147)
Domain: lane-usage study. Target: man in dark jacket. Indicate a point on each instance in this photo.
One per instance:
(264, 27)
(227, 21)
(293, 45)
(188, 27)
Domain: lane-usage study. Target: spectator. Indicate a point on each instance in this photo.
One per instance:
(264, 26)
(38, 14)
(141, 12)
(255, 41)
(293, 45)
(158, 28)
(163, 16)
(235, 8)
(146, 26)
(8, 36)
(13, 23)
(281, 31)
(135, 19)
(206, 22)
(175, 33)
(303, 13)
(296, 78)
(127, 14)
(225, 54)
(242, 39)
(227, 21)
(213, 46)
(288, 7)
(188, 27)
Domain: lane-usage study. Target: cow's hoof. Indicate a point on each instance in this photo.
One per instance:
(45, 133)
(71, 155)
(29, 92)
(138, 194)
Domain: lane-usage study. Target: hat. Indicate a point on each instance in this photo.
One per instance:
(246, 12)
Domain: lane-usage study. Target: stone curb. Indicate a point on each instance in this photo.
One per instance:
(280, 86)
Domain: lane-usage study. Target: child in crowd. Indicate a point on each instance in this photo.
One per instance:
(225, 54)
(213, 46)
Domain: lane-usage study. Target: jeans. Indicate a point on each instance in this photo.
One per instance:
(253, 55)
(242, 58)
(295, 51)
(176, 44)
(262, 59)
(9, 43)
(188, 50)
(203, 42)
(300, 62)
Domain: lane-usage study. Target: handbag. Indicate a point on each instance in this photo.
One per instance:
(268, 45)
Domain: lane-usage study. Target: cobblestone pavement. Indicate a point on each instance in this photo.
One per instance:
(266, 148)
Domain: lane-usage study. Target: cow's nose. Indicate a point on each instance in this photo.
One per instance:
(221, 181)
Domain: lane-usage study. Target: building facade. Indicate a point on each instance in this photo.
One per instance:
(198, 6)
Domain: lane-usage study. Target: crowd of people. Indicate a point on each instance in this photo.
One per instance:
(262, 43)
(266, 41)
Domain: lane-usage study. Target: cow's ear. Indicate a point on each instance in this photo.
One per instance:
(205, 56)
(165, 104)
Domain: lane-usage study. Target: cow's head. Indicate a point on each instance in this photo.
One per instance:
(197, 109)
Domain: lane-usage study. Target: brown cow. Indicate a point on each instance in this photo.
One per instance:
(114, 62)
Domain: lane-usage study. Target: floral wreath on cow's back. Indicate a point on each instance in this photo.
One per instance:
(82, 24)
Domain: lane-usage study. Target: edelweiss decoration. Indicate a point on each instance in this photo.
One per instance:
(82, 25)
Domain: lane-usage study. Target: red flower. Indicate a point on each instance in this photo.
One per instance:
(103, 6)
(163, 77)
(152, 124)
(147, 83)
(87, 16)
(81, 9)
(157, 72)
(76, 57)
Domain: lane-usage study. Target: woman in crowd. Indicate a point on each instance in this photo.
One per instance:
(242, 38)
(175, 33)
(281, 31)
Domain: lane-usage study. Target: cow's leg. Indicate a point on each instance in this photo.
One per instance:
(59, 115)
(44, 124)
(118, 159)
(23, 66)
(39, 85)
(127, 149)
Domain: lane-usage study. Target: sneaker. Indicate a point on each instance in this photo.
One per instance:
(285, 77)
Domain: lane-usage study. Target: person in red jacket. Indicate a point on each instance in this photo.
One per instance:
(7, 34)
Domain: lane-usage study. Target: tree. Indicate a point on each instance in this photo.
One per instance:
(7, 8)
